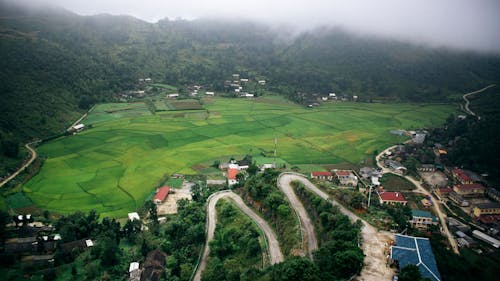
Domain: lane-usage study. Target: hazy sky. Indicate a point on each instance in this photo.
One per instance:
(467, 24)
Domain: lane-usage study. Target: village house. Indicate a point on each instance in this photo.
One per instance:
(246, 95)
(417, 251)
(38, 260)
(460, 176)
(486, 209)
(493, 194)
(427, 168)
(161, 195)
(77, 245)
(396, 166)
(422, 219)
(133, 216)
(78, 127)
(210, 94)
(457, 199)
(368, 172)
(392, 198)
(172, 96)
(469, 190)
(231, 176)
(443, 192)
(134, 272)
(346, 178)
(262, 82)
(322, 175)
(21, 245)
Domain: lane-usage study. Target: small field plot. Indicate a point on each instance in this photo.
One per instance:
(113, 111)
(115, 165)
(188, 104)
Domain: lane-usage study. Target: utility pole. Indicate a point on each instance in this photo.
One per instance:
(369, 196)
(275, 144)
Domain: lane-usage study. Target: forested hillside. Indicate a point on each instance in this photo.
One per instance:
(54, 64)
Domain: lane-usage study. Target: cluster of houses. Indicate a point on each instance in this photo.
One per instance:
(341, 177)
(234, 167)
(237, 85)
(35, 244)
(473, 197)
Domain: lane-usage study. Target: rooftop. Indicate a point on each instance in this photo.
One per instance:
(326, 174)
(162, 193)
(343, 173)
(231, 173)
(493, 205)
(461, 174)
(392, 196)
(469, 186)
(417, 251)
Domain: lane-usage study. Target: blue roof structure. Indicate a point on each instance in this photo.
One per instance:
(417, 251)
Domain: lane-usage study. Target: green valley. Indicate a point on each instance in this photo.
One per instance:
(115, 165)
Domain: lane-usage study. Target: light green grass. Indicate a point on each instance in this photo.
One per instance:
(113, 166)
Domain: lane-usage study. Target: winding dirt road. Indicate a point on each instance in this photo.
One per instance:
(420, 189)
(467, 102)
(309, 240)
(374, 242)
(34, 155)
(272, 242)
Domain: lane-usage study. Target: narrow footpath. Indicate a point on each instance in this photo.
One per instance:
(275, 254)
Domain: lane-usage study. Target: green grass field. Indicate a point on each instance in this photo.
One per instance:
(113, 166)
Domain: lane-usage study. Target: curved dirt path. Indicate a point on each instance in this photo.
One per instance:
(34, 155)
(309, 240)
(467, 102)
(420, 189)
(272, 242)
(374, 242)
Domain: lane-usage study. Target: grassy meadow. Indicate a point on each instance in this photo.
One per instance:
(113, 166)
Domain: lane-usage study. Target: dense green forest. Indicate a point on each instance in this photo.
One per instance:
(54, 64)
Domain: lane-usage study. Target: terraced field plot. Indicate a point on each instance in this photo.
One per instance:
(115, 165)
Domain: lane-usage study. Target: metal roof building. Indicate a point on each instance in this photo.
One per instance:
(417, 251)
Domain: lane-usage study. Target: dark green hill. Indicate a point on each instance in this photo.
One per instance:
(52, 61)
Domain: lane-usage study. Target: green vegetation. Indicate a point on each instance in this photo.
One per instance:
(113, 166)
(55, 64)
(338, 256)
(392, 182)
(261, 192)
(237, 247)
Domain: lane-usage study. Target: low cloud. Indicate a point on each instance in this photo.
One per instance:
(463, 24)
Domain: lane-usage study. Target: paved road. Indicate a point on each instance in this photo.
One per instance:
(309, 240)
(467, 102)
(25, 165)
(272, 242)
(420, 189)
(374, 242)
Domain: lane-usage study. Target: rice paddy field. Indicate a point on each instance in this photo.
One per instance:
(113, 166)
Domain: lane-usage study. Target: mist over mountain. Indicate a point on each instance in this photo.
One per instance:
(51, 59)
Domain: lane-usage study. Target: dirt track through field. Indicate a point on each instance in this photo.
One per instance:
(374, 242)
(34, 155)
(275, 254)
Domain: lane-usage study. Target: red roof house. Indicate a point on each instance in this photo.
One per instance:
(389, 197)
(461, 176)
(231, 176)
(161, 195)
(322, 175)
(471, 190)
